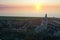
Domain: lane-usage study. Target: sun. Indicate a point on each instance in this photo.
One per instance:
(37, 7)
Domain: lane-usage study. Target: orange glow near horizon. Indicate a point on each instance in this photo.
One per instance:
(31, 8)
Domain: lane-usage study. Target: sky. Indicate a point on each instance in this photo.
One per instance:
(30, 8)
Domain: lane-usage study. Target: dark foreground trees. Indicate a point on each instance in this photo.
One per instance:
(29, 35)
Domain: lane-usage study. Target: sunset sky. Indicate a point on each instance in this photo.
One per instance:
(31, 8)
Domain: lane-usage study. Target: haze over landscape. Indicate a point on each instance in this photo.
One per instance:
(30, 8)
(29, 19)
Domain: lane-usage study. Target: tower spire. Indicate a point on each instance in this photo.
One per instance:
(46, 15)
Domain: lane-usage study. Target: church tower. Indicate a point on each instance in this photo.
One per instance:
(45, 17)
(46, 20)
(43, 25)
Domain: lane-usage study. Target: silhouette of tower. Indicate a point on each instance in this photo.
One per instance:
(45, 17)
(43, 25)
(46, 20)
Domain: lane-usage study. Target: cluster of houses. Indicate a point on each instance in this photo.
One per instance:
(52, 27)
